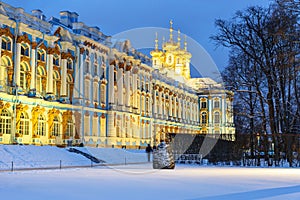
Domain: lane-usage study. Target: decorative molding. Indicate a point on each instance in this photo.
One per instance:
(65, 116)
(6, 32)
(35, 112)
(23, 38)
(66, 55)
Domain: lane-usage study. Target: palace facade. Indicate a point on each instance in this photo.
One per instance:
(64, 82)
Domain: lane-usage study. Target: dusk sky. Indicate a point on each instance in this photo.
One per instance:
(194, 18)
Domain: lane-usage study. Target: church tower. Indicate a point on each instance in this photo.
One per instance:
(172, 59)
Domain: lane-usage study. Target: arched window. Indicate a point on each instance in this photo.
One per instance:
(69, 83)
(70, 128)
(41, 127)
(24, 50)
(56, 126)
(41, 55)
(39, 79)
(6, 44)
(216, 103)
(24, 124)
(217, 117)
(5, 64)
(55, 60)
(56, 79)
(5, 122)
(204, 118)
(23, 70)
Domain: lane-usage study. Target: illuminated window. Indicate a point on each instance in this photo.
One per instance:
(41, 128)
(70, 128)
(56, 83)
(69, 83)
(39, 79)
(204, 118)
(203, 104)
(216, 104)
(217, 117)
(56, 127)
(23, 80)
(24, 124)
(5, 122)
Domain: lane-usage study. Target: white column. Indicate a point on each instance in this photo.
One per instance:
(175, 107)
(17, 64)
(127, 88)
(76, 90)
(50, 73)
(33, 69)
(198, 112)
(120, 86)
(154, 102)
(223, 110)
(111, 91)
(63, 90)
(179, 108)
(81, 77)
(160, 103)
(134, 89)
(110, 125)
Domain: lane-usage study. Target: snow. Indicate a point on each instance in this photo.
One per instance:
(136, 181)
(142, 182)
(38, 156)
(30, 156)
(118, 156)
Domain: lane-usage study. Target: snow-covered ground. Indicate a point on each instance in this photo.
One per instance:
(142, 182)
(138, 181)
(30, 156)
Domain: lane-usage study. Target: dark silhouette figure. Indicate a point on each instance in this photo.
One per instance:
(149, 151)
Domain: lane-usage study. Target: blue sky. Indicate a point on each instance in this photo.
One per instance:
(194, 18)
